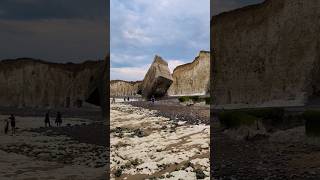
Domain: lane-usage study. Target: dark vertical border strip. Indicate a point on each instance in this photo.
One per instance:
(211, 95)
(107, 85)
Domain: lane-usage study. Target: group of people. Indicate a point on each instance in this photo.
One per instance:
(58, 120)
(12, 121)
(124, 99)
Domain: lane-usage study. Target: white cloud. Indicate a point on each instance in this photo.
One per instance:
(136, 35)
(128, 73)
(174, 63)
(127, 59)
(173, 29)
(160, 22)
(138, 73)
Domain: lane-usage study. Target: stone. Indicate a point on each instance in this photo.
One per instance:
(157, 80)
(266, 55)
(192, 78)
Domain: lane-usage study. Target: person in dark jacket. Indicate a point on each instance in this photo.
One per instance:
(58, 119)
(13, 124)
(47, 120)
(153, 99)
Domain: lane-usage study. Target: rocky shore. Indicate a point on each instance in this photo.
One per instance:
(176, 111)
(146, 145)
(286, 154)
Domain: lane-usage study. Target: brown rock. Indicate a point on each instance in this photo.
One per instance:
(157, 80)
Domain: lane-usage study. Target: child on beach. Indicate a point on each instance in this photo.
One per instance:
(13, 124)
(47, 120)
(6, 126)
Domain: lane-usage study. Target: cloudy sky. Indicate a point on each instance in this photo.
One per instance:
(174, 29)
(53, 30)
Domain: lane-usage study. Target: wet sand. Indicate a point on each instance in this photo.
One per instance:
(146, 145)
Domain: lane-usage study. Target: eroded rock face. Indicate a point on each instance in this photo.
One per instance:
(98, 91)
(35, 83)
(157, 80)
(266, 54)
(119, 88)
(192, 78)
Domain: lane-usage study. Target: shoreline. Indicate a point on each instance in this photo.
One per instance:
(175, 111)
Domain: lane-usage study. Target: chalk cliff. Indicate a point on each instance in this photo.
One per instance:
(98, 90)
(35, 83)
(266, 54)
(192, 78)
(120, 88)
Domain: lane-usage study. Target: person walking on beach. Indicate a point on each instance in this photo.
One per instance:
(152, 99)
(58, 119)
(128, 99)
(113, 100)
(13, 124)
(6, 126)
(47, 120)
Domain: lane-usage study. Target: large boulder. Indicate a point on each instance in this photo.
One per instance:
(157, 80)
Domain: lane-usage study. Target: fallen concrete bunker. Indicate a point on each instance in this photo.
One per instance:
(157, 80)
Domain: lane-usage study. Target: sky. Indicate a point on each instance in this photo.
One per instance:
(174, 29)
(53, 30)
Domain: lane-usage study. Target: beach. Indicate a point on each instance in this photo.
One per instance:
(147, 145)
(75, 151)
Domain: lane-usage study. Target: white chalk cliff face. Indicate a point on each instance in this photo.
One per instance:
(266, 54)
(192, 78)
(188, 79)
(35, 83)
(120, 88)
